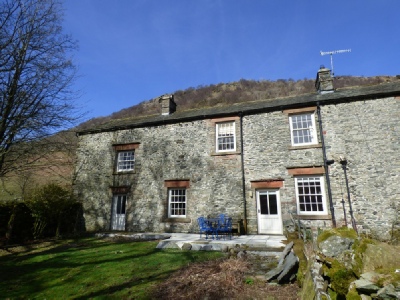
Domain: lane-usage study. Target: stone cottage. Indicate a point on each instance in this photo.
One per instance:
(330, 158)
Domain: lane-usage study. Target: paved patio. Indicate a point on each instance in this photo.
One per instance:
(268, 243)
(263, 243)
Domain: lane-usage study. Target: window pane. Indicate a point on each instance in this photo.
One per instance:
(121, 204)
(273, 205)
(264, 204)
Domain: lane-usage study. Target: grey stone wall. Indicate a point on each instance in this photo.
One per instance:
(179, 151)
(268, 155)
(365, 132)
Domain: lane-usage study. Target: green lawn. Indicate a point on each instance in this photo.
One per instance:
(90, 268)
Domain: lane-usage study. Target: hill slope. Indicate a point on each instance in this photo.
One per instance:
(57, 165)
(229, 93)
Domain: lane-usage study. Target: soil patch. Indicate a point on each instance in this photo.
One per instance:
(228, 278)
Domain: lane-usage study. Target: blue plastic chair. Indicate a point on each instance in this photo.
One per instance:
(204, 227)
(221, 218)
(226, 228)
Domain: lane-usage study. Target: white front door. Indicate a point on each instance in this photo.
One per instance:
(118, 212)
(269, 212)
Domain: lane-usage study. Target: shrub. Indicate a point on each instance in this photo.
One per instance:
(15, 221)
(54, 210)
(5, 213)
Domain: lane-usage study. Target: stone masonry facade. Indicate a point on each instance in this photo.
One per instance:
(358, 128)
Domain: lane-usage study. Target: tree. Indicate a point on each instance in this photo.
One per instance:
(36, 76)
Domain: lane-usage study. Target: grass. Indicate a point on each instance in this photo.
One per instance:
(90, 268)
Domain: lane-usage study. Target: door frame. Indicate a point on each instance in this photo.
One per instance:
(264, 191)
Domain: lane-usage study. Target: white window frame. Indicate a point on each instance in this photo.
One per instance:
(125, 162)
(177, 200)
(218, 137)
(311, 127)
(312, 196)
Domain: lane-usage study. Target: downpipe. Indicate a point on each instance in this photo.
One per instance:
(343, 162)
(243, 175)
(327, 163)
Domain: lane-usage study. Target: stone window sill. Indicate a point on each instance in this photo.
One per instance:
(124, 173)
(313, 217)
(225, 153)
(305, 147)
(177, 220)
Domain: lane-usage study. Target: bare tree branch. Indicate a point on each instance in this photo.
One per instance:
(36, 75)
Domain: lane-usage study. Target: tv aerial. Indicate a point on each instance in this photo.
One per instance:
(331, 54)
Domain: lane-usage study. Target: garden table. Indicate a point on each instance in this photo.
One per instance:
(214, 225)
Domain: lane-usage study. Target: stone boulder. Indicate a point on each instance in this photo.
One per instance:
(186, 246)
(388, 292)
(380, 255)
(335, 245)
(287, 267)
(368, 284)
(364, 286)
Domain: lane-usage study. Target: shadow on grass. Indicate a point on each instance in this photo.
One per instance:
(29, 273)
(86, 268)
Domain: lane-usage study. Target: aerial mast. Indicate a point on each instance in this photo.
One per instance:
(331, 54)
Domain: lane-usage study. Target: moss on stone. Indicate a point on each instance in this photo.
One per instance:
(332, 294)
(307, 291)
(389, 277)
(298, 249)
(340, 277)
(344, 232)
(353, 294)
(359, 247)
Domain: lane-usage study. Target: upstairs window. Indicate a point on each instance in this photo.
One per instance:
(225, 137)
(125, 161)
(310, 195)
(125, 157)
(302, 129)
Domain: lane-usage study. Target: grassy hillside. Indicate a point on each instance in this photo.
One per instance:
(234, 92)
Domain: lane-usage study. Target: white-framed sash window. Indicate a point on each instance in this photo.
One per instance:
(302, 129)
(177, 202)
(225, 137)
(310, 194)
(125, 161)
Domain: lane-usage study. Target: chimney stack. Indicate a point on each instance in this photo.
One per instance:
(168, 105)
(324, 81)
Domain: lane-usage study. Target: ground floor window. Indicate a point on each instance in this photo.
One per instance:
(177, 203)
(310, 194)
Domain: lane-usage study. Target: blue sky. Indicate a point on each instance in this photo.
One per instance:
(135, 50)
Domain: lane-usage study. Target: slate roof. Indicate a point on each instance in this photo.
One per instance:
(253, 107)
